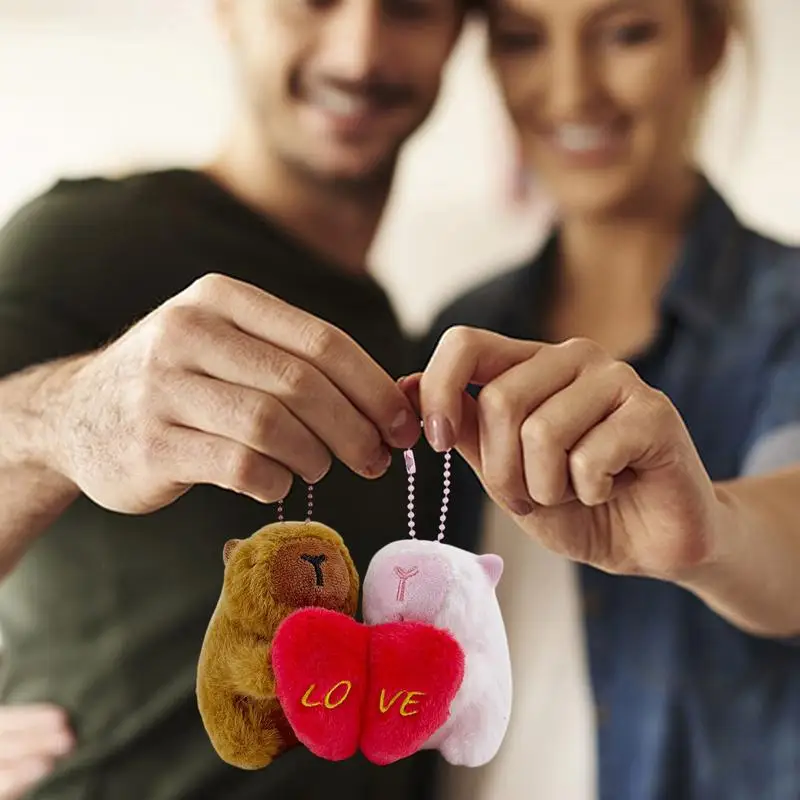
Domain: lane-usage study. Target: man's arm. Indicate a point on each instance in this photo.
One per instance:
(33, 494)
(45, 264)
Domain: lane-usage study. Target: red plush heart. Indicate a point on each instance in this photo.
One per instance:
(387, 687)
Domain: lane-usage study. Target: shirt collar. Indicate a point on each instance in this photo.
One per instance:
(707, 280)
(705, 283)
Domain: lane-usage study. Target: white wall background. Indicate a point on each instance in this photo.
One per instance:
(106, 85)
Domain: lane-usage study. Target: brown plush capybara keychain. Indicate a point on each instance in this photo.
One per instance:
(280, 568)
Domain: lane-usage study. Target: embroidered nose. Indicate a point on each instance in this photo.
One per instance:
(316, 562)
(403, 576)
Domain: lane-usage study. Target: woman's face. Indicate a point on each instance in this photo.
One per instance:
(603, 94)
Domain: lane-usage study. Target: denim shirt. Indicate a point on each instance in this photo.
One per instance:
(689, 707)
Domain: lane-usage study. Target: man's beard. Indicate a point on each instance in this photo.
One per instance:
(375, 181)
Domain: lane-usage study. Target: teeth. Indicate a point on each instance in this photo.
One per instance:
(580, 138)
(339, 103)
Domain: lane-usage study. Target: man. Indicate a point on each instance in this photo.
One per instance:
(125, 466)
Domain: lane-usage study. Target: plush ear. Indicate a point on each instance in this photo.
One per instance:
(228, 548)
(492, 565)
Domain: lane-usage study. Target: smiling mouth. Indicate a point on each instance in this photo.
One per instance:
(584, 138)
(341, 104)
(587, 144)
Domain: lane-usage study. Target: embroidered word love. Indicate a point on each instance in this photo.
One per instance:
(345, 686)
(340, 691)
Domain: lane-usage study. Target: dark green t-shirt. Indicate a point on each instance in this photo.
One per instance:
(106, 613)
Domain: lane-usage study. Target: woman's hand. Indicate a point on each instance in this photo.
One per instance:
(32, 738)
(588, 459)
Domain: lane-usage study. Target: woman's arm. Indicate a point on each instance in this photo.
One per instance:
(753, 580)
(598, 466)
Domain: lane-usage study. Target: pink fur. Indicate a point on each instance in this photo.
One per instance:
(453, 589)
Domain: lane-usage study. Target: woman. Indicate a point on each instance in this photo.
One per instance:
(658, 445)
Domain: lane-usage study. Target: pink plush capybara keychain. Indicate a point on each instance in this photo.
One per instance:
(453, 590)
(429, 670)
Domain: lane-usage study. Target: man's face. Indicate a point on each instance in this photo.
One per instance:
(335, 87)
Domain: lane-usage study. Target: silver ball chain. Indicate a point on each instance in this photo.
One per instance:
(309, 501)
(411, 471)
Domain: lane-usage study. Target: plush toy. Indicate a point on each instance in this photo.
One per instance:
(454, 591)
(283, 661)
(280, 568)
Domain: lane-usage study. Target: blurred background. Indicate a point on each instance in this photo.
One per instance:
(109, 86)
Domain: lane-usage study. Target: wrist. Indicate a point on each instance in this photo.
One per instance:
(733, 581)
(40, 419)
(722, 542)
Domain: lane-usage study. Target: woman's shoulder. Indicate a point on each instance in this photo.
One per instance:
(772, 269)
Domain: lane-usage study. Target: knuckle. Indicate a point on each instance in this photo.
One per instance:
(583, 466)
(583, 349)
(538, 432)
(495, 403)
(295, 376)
(458, 337)
(171, 325)
(320, 341)
(622, 374)
(656, 406)
(209, 287)
(245, 469)
(262, 420)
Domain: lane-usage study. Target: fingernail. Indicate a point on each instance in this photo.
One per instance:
(439, 432)
(521, 507)
(399, 422)
(380, 463)
(404, 429)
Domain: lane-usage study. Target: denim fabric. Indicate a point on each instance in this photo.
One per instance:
(689, 707)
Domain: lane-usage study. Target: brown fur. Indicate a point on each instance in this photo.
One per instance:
(266, 578)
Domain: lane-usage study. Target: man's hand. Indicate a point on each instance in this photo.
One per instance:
(588, 459)
(225, 385)
(32, 738)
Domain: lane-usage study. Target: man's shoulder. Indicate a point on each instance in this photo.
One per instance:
(96, 254)
(79, 223)
(106, 195)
